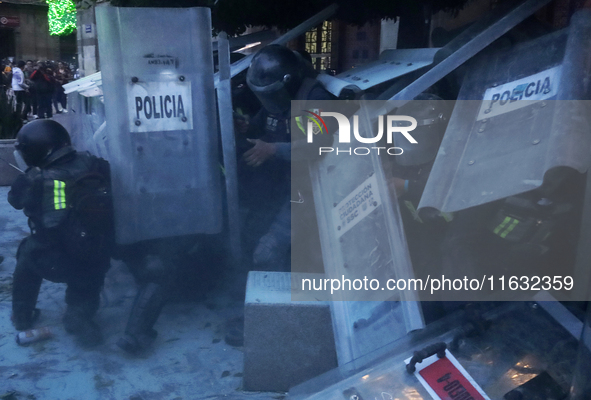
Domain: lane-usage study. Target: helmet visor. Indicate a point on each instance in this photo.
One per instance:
(20, 162)
(275, 98)
(32, 155)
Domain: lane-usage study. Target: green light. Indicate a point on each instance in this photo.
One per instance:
(61, 16)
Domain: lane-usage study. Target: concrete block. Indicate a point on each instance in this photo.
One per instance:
(285, 342)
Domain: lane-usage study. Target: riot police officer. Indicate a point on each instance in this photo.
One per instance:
(63, 246)
(407, 175)
(277, 75)
(154, 265)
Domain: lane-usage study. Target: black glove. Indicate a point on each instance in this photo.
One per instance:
(21, 189)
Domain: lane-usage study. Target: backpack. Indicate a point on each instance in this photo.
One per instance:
(89, 225)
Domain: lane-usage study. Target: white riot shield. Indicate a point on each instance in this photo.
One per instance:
(157, 71)
(520, 114)
(363, 242)
(522, 353)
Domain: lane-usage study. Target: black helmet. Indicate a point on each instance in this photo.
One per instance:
(431, 114)
(275, 75)
(37, 139)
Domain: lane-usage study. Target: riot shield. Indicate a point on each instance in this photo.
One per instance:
(157, 70)
(224, 96)
(362, 239)
(513, 351)
(393, 63)
(511, 163)
(521, 113)
(581, 387)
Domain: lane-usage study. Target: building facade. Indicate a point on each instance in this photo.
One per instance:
(24, 33)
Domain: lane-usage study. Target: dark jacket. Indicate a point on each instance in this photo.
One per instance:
(272, 180)
(43, 82)
(41, 191)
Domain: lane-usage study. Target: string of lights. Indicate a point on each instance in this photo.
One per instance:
(61, 16)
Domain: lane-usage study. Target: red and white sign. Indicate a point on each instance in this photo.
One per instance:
(9, 22)
(445, 379)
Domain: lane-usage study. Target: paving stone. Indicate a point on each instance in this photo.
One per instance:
(285, 342)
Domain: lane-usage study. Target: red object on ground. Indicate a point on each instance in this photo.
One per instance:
(448, 382)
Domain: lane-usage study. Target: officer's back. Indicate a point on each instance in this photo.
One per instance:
(64, 245)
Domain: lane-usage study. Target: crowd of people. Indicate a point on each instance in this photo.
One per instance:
(36, 87)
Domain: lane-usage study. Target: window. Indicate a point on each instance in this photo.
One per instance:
(319, 45)
(362, 35)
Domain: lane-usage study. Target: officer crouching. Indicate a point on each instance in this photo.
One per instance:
(66, 196)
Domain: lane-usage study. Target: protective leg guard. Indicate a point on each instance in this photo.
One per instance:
(146, 309)
(25, 289)
(83, 299)
(273, 248)
(23, 318)
(78, 321)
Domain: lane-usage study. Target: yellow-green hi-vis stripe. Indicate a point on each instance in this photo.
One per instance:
(502, 225)
(59, 194)
(508, 222)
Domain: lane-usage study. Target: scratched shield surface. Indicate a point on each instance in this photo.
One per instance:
(519, 130)
(359, 226)
(161, 125)
(522, 113)
(523, 344)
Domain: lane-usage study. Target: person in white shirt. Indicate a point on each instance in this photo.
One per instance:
(19, 86)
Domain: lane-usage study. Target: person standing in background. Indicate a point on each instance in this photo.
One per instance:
(31, 106)
(19, 86)
(62, 76)
(44, 87)
(6, 74)
(28, 94)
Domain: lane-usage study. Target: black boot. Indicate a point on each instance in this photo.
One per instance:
(78, 322)
(134, 344)
(24, 319)
(139, 333)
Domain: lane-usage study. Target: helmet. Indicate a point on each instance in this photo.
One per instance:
(431, 114)
(275, 75)
(37, 139)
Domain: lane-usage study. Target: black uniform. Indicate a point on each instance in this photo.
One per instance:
(53, 251)
(530, 233)
(424, 232)
(154, 264)
(267, 189)
(276, 76)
